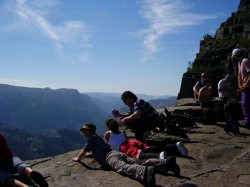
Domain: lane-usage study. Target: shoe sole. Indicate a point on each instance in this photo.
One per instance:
(182, 149)
(163, 155)
(38, 179)
(151, 175)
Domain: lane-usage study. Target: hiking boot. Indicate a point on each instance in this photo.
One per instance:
(172, 166)
(182, 149)
(149, 176)
(38, 179)
(163, 155)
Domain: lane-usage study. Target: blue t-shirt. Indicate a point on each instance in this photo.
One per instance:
(201, 84)
(147, 111)
(98, 147)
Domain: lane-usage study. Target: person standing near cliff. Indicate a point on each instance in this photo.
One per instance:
(200, 84)
(11, 164)
(243, 83)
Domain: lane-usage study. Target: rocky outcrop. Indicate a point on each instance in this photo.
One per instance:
(216, 158)
(237, 25)
(215, 51)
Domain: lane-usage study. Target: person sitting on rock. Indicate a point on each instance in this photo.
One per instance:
(200, 84)
(206, 95)
(141, 170)
(11, 165)
(119, 141)
(141, 118)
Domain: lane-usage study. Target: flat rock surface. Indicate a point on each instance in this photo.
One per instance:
(216, 159)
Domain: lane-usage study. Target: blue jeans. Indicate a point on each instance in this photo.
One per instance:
(11, 166)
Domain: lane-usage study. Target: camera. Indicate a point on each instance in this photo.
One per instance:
(114, 112)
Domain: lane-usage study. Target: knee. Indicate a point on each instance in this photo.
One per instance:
(26, 171)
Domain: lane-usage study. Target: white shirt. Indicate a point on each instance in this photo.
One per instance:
(225, 86)
(115, 140)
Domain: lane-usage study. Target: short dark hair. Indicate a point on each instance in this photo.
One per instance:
(128, 94)
(112, 126)
(90, 127)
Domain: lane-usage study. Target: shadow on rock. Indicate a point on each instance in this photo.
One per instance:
(187, 185)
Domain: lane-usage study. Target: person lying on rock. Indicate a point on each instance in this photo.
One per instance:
(119, 141)
(141, 118)
(140, 170)
(11, 165)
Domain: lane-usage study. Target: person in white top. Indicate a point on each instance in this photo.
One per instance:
(118, 140)
(115, 140)
(224, 88)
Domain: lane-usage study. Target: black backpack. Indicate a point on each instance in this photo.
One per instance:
(171, 126)
(183, 119)
(232, 125)
(233, 109)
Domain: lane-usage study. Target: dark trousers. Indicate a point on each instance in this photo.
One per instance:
(140, 126)
(171, 149)
(147, 155)
(154, 151)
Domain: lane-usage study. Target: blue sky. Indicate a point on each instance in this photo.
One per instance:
(105, 45)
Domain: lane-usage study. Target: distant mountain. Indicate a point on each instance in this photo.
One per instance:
(31, 146)
(109, 101)
(163, 103)
(38, 110)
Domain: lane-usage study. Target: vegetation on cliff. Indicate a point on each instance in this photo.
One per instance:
(214, 56)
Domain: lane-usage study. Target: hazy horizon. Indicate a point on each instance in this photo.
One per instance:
(105, 46)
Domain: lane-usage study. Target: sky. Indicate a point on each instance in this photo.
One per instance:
(105, 45)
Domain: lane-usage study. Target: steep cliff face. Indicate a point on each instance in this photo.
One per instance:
(215, 50)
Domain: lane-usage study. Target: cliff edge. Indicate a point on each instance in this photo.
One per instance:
(216, 158)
